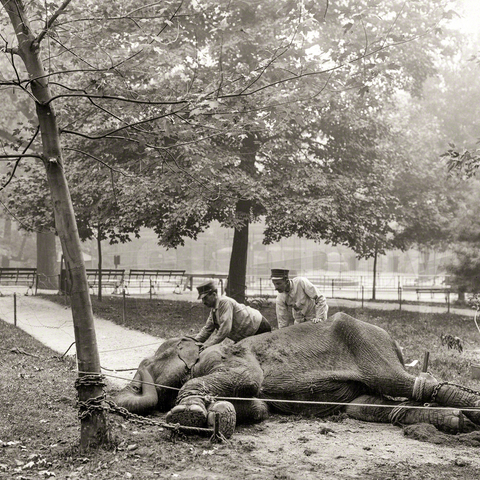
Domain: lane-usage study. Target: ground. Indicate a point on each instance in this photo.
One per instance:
(39, 437)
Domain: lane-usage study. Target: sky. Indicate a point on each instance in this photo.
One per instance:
(469, 22)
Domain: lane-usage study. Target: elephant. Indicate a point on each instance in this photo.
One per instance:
(344, 364)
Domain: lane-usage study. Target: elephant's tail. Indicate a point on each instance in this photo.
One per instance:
(140, 396)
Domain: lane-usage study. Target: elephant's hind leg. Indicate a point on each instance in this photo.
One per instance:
(377, 409)
(452, 395)
(251, 411)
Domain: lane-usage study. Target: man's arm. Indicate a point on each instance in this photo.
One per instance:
(321, 307)
(206, 330)
(283, 314)
(225, 321)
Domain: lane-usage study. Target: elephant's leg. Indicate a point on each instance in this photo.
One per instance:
(371, 408)
(379, 409)
(427, 389)
(459, 397)
(226, 415)
(197, 396)
(251, 411)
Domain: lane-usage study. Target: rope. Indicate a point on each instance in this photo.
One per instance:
(314, 402)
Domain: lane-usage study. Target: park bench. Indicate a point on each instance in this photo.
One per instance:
(112, 278)
(12, 276)
(152, 281)
(432, 290)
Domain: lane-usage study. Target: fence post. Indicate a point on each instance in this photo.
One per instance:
(425, 362)
(363, 288)
(124, 306)
(400, 297)
(448, 301)
(333, 286)
(15, 309)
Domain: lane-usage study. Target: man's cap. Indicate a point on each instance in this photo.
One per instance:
(279, 273)
(205, 288)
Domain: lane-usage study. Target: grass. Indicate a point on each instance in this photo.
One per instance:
(39, 429)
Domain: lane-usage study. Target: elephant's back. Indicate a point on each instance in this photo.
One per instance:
(334, 359)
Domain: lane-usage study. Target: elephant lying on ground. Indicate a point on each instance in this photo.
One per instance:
(342, 360)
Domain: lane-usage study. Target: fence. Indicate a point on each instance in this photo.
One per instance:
(431, 288)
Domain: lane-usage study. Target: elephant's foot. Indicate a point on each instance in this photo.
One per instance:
(457, 396)
(227, 417)
(446, 420)
(251, 411)
(190, 413)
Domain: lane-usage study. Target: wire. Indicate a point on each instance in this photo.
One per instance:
(303, 402)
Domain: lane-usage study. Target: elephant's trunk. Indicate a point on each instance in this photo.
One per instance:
(140, 396)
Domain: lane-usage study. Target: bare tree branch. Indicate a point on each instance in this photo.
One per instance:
(51, 21)
(19, 157)
(99, 161)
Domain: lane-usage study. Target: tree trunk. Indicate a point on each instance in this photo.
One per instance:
(7, 238)
(237, 271)
(100, 261)
(47, 274)
(94, 429)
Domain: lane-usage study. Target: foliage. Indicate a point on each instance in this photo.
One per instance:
(282, 91)
(464, 266)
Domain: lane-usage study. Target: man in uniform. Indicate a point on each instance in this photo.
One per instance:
(298, 300)
(227, 318)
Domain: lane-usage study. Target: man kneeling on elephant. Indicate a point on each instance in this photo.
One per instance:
(227, 318)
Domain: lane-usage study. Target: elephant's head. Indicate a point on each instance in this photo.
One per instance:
(169, 367)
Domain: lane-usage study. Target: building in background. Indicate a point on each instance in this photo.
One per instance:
(210, 253)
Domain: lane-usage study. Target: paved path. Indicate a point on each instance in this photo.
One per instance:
(52, 324)
(119, 347)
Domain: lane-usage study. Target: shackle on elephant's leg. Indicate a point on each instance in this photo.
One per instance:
(423, 387)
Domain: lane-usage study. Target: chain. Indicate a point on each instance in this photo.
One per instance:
(92, 379)
(123, 412)
(86, 409)
(437, 387)
(176, 427)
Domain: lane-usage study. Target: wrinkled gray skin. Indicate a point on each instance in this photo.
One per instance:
(341, 360)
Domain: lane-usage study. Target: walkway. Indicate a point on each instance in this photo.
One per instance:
(120, 347)
(52, 324)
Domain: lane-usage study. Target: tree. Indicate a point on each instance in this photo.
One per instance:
(93, 425)
(251, 87)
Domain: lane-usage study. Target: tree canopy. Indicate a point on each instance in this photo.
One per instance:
(232, 111)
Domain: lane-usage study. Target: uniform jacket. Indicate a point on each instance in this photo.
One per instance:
(229, 319)
(303, 302)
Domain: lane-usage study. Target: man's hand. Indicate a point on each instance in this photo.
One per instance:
(317, 320)
(201, 347)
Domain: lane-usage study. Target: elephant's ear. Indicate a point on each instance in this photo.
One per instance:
(188, 351)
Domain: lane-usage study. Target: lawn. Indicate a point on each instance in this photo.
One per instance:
(39, 428)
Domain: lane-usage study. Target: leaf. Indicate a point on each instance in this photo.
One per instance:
(347, 27)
